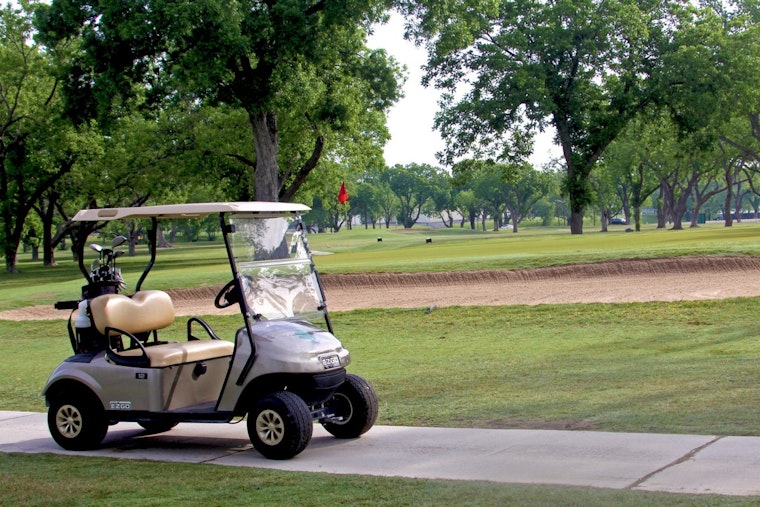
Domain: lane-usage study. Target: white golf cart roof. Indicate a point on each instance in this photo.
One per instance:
(191, 210)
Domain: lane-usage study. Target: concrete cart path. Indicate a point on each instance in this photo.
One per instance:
(651, 462)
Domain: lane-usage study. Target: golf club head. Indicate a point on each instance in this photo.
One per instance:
(118, 241)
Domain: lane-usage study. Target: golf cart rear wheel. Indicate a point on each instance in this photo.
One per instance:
(354, 406)
(77, 423)
(280, 425)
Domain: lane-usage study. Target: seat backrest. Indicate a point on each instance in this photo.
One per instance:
(144, 311)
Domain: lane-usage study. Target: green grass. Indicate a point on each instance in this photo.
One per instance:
(455, 249)
(657, 367)
(688, 367)
(29, 480)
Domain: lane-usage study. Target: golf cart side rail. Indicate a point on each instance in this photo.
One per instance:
(190, 210)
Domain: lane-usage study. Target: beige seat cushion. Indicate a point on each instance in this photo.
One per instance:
(145, 311)
(168, 354)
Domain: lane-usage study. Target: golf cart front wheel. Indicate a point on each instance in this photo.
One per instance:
(280, 425)
(77, 424)
(354, 406)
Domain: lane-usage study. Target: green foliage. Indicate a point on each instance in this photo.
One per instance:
(417, 188)
(297, 69)
(36, 149)
(584, 66)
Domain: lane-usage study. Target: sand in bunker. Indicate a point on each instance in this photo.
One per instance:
(691, 278)
(675, 279)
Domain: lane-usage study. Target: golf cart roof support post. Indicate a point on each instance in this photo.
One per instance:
(79, 238)
(228, 229)
(152, 246)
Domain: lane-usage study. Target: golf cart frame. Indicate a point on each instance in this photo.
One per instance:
(283, 370)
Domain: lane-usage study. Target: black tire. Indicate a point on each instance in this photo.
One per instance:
(280, 425)
(355, 403)
(157, 426)
(77, 421)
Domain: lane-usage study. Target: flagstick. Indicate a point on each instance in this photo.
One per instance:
(348, 227)
(343, 200)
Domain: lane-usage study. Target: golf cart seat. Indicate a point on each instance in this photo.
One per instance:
(146, 311)
(174, 353)
(138, 316)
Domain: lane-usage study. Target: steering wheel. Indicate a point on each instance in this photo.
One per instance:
(228, 295)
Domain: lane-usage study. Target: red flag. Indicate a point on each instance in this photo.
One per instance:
(342, 195)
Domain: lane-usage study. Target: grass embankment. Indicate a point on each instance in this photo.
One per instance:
(688, 367)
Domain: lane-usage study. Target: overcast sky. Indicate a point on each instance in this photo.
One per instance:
(410, 121)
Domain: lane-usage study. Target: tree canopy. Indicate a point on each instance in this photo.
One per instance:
(585, 67)
(35, 144)
(271, 59)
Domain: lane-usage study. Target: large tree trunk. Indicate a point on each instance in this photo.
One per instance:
(576, 222)
(605, 218)
(576, 182)
(728, 219)
(694, 217)
(47, 214)
(12, 242)
(576, 193)
(637, 217)
(267, 141)
(679, 203)
(515, 222)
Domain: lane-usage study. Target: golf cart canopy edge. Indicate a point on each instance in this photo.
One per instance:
(190, 210)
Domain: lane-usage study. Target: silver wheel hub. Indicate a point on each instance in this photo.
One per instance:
(346, 409)
(68, 420)
(270, 427)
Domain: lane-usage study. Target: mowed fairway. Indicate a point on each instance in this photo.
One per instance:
(358, 250)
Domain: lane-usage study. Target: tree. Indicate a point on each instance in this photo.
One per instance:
(708, 184)
(275, 60)
(468, 205)
(369, 196)
(415, 185)
(625, 159)
(33, 150)
(586, 67)
(387, 201)
(525, 188)
(488, 185)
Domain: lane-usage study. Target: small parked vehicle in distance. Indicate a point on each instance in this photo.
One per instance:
(617, 221)
(283, 369)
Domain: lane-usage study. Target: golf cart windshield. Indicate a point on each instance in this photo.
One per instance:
(277, 276)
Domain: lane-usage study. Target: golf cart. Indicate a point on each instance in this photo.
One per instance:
(283, 369)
